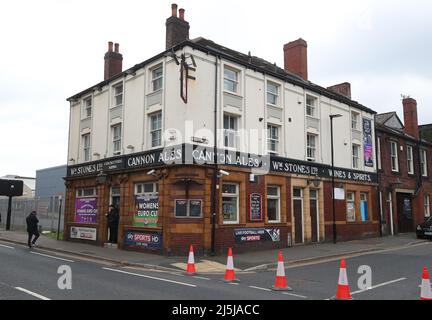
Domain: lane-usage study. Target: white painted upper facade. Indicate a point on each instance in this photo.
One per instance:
(147, 103)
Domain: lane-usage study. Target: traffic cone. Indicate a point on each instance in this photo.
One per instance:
(426, 292)
(191, 262)
(343, 290)
(281, 283)
(230, 273)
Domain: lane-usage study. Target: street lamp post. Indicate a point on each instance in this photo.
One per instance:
(332, 116)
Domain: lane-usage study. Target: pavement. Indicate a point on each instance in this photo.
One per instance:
(255, 261)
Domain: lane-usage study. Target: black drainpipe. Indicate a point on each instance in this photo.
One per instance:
(215, 162)
(379, 185)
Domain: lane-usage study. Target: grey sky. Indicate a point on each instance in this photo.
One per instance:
(54, 49)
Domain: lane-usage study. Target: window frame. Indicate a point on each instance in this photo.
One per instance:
(153, 131)
(358, 158)
(114, 140)
(410, 159)
(235, 82)
(117, 94)
(274, 139)
(426, 206)
(278, 207)
(369, 217)
(227, 132)
(80, 192)
(86, 148)
(353, 201)
(423, 163)
(235, 195)
(275, 95)
(394, 157)
(155, 187)
(157, 79)
(87, 107)
(309, 147)
(313, 107)
(355, 115)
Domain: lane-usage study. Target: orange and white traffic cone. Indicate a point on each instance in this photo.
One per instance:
(191, 262)
(230, 273)
(426, 292)
(281, 282)
(343, 290)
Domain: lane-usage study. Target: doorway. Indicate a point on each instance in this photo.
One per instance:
(298, 214)
(112, 235)
(405, 214)
(314, 215)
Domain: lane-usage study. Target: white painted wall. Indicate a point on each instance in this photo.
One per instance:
(200, 111)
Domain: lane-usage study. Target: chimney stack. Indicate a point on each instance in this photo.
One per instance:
(295, 58)
(113, 61)
(177, 28)
(410, 117)
(342, 89)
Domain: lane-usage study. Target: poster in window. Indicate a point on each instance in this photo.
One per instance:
(195, 208)
(255, 207)
(350, 212)
(85, 210)
(181, 208)
(146, 211)
(367, 143)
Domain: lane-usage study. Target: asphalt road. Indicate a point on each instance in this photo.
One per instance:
(33, 275)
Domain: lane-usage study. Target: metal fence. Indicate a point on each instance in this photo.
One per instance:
(47, 212)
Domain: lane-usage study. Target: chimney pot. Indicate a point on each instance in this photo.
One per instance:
(113, 61)
(295, 58)
(174, 10)
(182, 12)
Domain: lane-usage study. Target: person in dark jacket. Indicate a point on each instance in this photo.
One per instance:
(113, 222)
(32, 228)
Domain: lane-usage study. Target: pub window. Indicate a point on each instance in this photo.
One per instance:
(86, 146)
(230, 203)
(364, 207)
(273, 139)
(311, 107)
(149, 188)
(87, 107)
(273, 204)
(350, 202)
(231, 80)
(188, 208)
(116, 139)
(85, 192)
(272, 93)
(311, 147)
(356, 156)
(156, 129)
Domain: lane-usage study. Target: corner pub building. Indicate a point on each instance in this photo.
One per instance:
(145, 139)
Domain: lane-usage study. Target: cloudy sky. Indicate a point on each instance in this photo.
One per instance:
(52, 49)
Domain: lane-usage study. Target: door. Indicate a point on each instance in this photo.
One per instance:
(314, 215)
(405, 216)
(298, 214)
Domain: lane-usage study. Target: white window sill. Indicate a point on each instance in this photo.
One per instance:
(231, 223)
(274, 106)
(119, 106)
(312, 117)
(154, 92)
(233, 93)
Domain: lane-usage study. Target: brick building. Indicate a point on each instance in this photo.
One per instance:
(205, 145)
(403, 165)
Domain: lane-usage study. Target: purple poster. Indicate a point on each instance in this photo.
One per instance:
(367, 143)
(85, 210)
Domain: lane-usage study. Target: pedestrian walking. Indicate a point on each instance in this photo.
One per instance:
(113, 222)
(32, 228)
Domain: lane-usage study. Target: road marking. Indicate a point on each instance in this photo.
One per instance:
(378, 286)
(258, 288)
(150, 277)
(32, 293)
(294, 295)
(202, 278)
(5, 246)
(48, 256)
